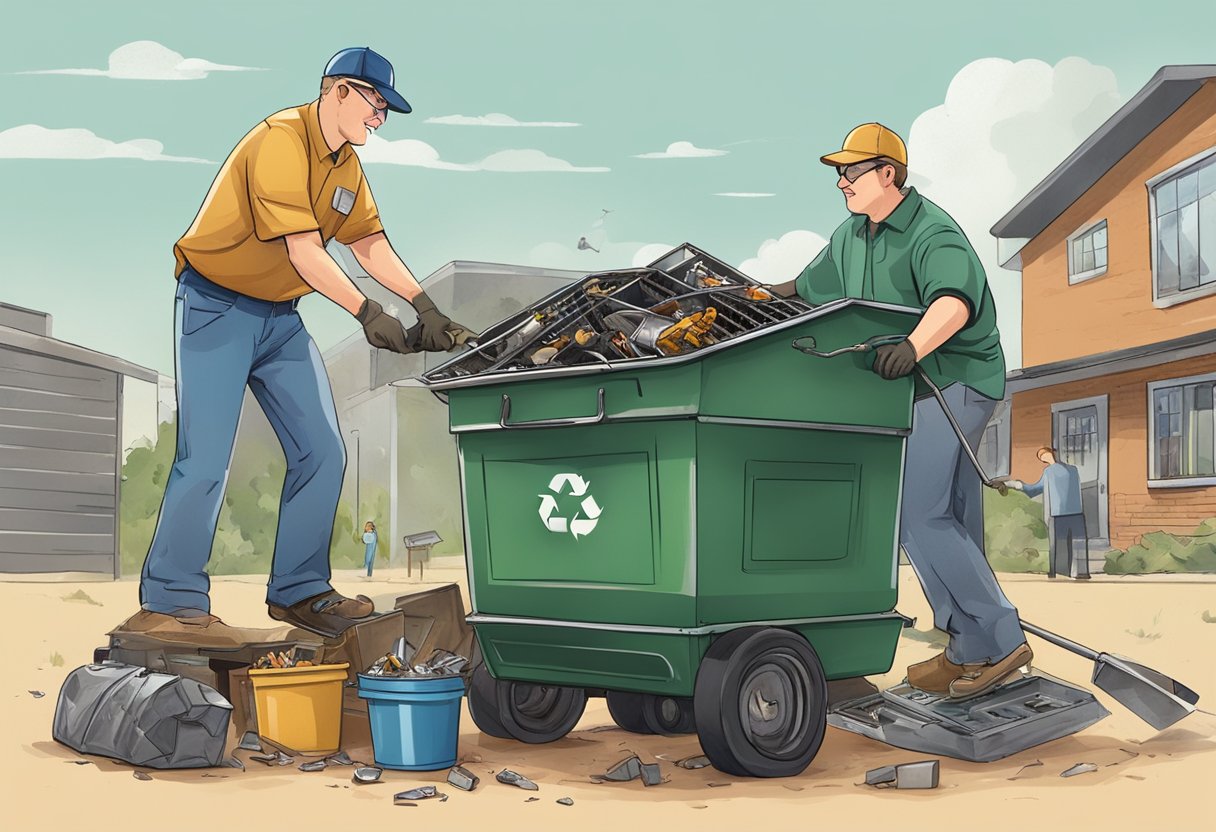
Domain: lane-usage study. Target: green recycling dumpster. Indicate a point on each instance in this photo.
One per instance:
(705, 538)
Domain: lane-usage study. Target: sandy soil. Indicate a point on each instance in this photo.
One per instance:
(1145, 781)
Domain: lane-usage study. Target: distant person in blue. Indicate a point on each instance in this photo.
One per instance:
(1067, 538)
(369, 543)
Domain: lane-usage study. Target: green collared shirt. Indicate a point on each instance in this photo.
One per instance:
(913, 257)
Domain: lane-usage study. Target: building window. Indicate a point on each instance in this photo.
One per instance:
(1182, 450)
(1184, 230)
(1087, 253)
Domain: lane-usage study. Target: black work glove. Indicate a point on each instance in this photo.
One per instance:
(895, 360)
(434, 336)
(382, 330)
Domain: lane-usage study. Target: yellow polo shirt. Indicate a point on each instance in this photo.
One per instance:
(280, 179)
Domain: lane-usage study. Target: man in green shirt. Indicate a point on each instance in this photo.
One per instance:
(900, 248)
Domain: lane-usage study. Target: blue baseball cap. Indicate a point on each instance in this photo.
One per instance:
(362, 64)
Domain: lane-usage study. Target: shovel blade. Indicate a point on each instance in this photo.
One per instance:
(1154, 697)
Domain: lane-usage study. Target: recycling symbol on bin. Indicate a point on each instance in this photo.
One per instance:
(584, 520)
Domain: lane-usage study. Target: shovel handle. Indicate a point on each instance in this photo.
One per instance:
(1059, 641)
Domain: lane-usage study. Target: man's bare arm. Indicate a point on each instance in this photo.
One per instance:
(944, 317)
(317, 267)
(375, 254)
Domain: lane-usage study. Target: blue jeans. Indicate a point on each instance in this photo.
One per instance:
(225, 341)
(942, 530)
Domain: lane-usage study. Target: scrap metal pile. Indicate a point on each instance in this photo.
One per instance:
(683, 302)
(397, 663)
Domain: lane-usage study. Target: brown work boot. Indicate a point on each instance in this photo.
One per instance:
(190, 626)
(329, 614)
(978, 679)
(935, 674)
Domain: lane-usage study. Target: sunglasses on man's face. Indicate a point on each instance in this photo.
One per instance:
(853, 172)
(377, 101)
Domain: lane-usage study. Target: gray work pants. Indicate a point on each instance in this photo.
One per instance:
(1069, 544)
(942, 530)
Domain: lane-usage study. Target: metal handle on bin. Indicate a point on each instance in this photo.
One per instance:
(554, 423)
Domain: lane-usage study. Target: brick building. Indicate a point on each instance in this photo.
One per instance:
(1117, 250)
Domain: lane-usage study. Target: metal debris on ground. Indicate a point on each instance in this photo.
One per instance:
(693, 762)
(420, 793)
(919, 775)
(462, 778)
(278, 758)
(281, 660)
(340, 759)
(511, 778)
(532, 800)
(37, 694)
(440, 663)
(717, 785)
(141, 775)
(232, 762)
(315, 765)
(1023, 769)
(1079, 768)
(366, 775)
(250, 742)
(565, 801)
(627, 769)
(651, 774)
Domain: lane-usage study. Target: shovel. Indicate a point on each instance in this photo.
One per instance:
(1154, 697)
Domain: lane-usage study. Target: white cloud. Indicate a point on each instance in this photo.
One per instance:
(610, 256)
(32, 141)
(683, 150)
(780, 260)
(147, 60)
(1002, 128)
(744, 194)
(417, 153)
(496, 120)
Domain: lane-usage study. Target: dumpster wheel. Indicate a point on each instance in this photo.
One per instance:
(761, 703)
(539, 713)
(483, 704)
(648, 713)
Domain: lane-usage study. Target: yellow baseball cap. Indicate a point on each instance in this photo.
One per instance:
(868, 141)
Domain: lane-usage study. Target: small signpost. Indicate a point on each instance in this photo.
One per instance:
(419, 546)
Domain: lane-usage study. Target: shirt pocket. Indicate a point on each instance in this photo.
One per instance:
(201, 309)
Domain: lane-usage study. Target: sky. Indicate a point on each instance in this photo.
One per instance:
(699, 122)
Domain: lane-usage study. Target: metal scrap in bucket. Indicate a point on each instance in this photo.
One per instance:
(296, 657)
(396, 664)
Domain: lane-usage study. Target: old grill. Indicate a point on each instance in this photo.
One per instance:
(621, 317)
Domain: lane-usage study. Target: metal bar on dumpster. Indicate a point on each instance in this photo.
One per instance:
(554, 423)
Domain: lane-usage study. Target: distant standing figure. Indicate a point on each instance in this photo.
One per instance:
(1067, 537)
(369, 542)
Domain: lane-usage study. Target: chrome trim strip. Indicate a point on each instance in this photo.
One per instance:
(779, 423)
(709, 629)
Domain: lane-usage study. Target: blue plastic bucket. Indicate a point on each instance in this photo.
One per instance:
(415, 721)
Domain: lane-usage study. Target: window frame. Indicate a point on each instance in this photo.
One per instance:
(1155, 481)
(1091, 228)
(1151, 186)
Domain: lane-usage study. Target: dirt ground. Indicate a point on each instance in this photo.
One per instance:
(1144, 781)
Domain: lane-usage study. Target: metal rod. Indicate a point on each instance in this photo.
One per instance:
(1060, 641)
(962, 439)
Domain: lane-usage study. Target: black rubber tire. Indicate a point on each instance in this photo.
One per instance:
(669, 714)
(483, 704)
(761, 703)
(626, 708)
(539, 713)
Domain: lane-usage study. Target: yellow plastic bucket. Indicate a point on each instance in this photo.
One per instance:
(301, 707)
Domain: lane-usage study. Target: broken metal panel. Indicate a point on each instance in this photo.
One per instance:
(1010, 719)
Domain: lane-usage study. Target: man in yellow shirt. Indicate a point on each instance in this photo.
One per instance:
(257, 245)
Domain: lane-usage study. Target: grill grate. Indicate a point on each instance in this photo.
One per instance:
(673, 287)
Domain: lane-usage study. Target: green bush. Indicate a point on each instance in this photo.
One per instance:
(1015, 536)
(1165, 552)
